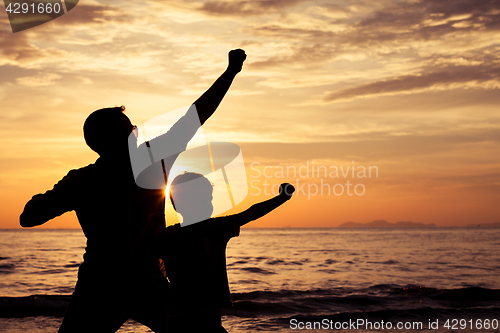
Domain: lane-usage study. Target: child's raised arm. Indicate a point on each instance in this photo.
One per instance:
(264, 207)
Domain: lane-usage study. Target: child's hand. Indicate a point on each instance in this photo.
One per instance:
(287, 190)
(236, 59)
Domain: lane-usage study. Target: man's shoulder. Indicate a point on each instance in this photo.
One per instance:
(76, 176)
(81, 171)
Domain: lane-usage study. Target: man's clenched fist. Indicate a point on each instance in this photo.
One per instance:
(236, 59)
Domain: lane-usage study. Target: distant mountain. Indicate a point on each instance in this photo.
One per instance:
(385, 224)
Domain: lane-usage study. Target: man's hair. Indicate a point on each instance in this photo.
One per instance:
(184, 178)
(102, 127)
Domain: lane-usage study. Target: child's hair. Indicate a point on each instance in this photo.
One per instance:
(176, 188)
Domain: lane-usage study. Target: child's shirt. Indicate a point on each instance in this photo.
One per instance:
(195, 263)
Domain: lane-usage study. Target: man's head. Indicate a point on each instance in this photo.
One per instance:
(106, 131)
(191, 196)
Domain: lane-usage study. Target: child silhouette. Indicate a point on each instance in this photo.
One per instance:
(195, 255)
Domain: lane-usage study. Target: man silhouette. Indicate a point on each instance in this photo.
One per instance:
(112, 211)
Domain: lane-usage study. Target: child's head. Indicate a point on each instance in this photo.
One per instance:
(191, 196)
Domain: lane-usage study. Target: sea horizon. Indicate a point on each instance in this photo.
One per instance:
(266, 228)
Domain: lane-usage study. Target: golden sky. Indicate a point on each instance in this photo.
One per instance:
(410, 87)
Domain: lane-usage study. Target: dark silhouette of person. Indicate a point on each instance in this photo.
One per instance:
(113, 210)
(195, 254)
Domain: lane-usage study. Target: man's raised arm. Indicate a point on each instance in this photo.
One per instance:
(169, 145)
(210, 100)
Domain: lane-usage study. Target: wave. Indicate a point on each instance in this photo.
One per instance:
(36, 305)
(257, 270)
(387, 301)
(73, 265)
(421, 315)
(378, 300)
(7, 268)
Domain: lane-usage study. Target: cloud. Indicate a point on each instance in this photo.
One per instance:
(414, 45)
(453, 77)
(303, 55)
(392, 29)
(442, 148)
(16, 47)
(229, 8)
(426, 20)
(94, 14)
(39, 80)
(246, 7)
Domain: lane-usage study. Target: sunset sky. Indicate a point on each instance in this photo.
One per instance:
(409, 87)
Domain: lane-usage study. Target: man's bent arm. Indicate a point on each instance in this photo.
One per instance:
(44, 207)
(31, 217)
(40, 209)
(210, 100)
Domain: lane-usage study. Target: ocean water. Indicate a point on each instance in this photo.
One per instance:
(289, 280)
